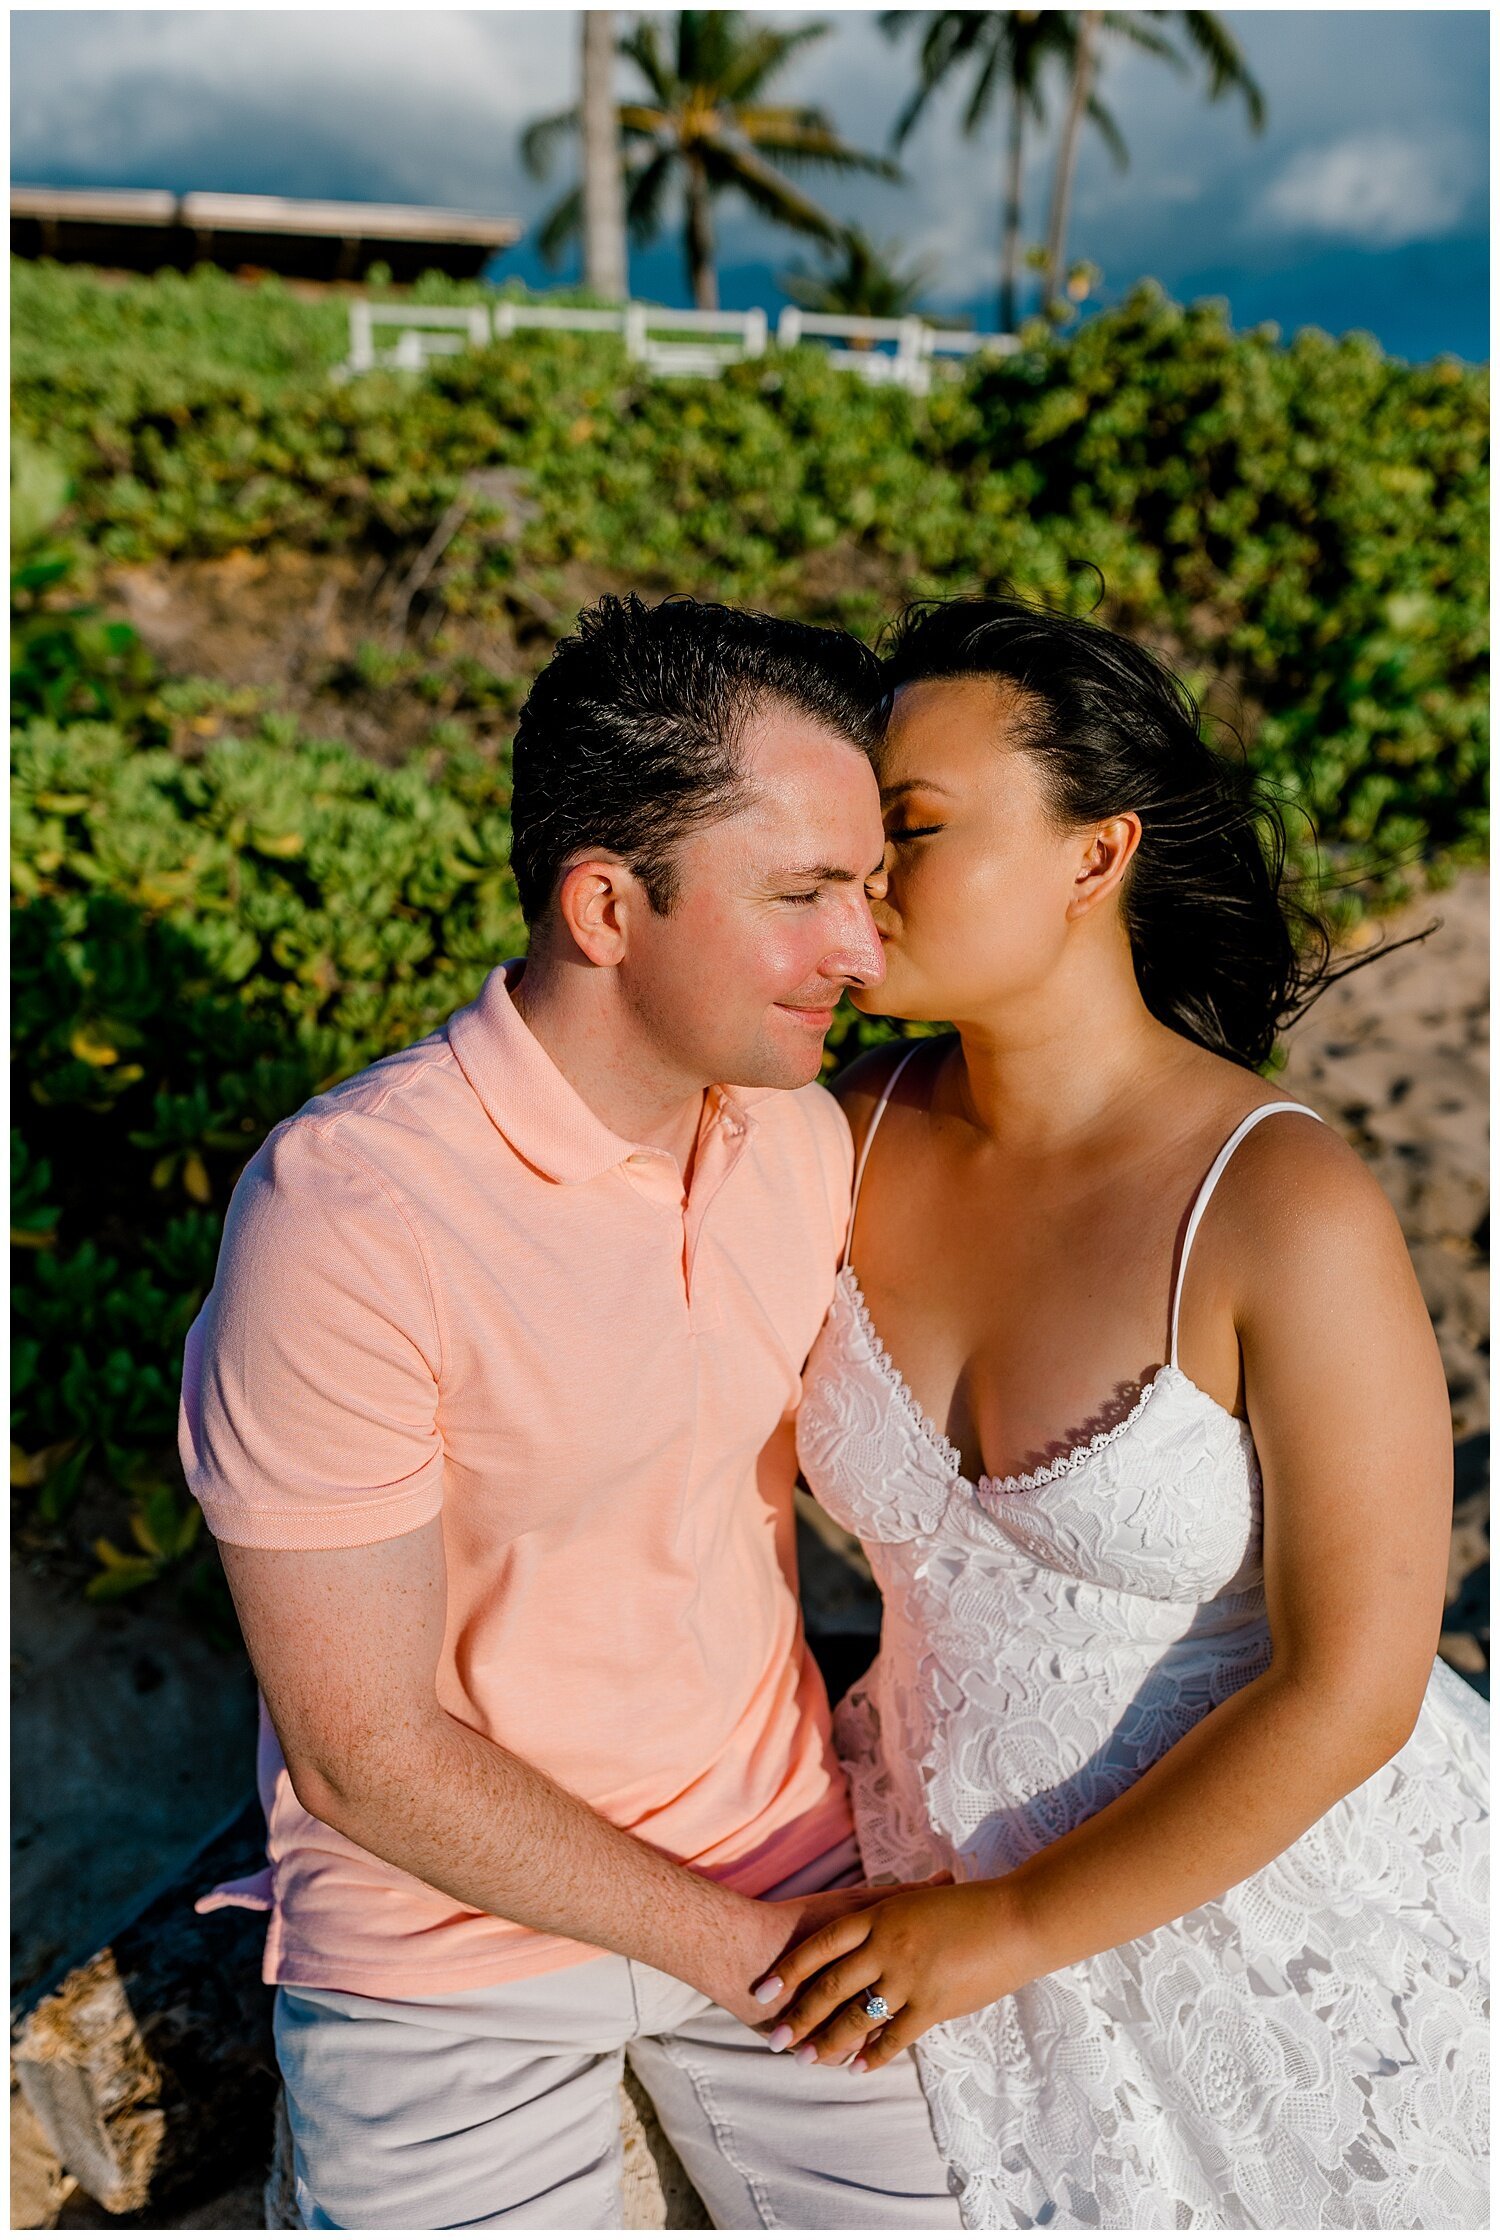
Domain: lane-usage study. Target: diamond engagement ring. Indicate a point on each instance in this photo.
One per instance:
(876, 2008)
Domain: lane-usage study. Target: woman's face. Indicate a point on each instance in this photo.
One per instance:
(979, 872)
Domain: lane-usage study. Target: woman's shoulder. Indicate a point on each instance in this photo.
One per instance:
(860, 1085)
(1296, 1191)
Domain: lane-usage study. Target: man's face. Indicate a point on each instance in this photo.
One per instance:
(771, 922)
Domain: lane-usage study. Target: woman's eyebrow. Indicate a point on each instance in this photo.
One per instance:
(914, 785)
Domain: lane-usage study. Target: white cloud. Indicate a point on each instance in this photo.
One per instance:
(1377, 188)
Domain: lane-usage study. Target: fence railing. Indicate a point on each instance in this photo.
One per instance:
(666, 342)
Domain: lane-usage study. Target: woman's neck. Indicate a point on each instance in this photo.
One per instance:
(1049, 1070)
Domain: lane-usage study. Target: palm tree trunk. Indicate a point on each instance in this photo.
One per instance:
(1010, 248)
(603, 182)
(1067, 153)
(699, 240)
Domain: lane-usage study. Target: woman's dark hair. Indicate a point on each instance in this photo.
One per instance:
(1223, 952)
(630, 737)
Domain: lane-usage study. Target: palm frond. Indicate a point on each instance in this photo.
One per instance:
(1132, 26)
(645, 194)
(1228, 71)
(798, 149)
(916, 102)
(540, 140)
(561, 226)
(867, 282)
(1109, 132)
(763, 57)
(952, 37)
(984, 90)
(641, 121)
(765, 189)
(806, 138)
(642, 46)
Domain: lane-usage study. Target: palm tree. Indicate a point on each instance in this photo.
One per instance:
(603, 181)
(705, 128)
(867, 284)
(1214, 45)
(1012, 47)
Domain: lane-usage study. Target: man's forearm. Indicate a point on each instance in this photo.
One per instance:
(469, 1818)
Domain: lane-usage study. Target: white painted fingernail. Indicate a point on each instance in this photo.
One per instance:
(780, 2038)
(767, 1990)
(859, 2063)
(806, 2054)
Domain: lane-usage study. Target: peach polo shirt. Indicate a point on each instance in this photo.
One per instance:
(447, 1288)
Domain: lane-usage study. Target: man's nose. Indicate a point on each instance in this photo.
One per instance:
(860, 957)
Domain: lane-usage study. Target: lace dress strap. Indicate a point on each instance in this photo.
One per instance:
(1210, 1184)
(875, 1119)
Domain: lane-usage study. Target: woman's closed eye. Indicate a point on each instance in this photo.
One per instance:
(912, 832)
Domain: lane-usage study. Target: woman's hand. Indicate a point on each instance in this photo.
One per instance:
(762, 1929)
(930, 1954)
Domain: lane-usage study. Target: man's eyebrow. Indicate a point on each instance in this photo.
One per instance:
(914, 785)
(817, 874)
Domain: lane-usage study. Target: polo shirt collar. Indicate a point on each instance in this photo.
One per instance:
(533, 1104)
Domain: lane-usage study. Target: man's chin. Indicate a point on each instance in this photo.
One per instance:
(788, 1057)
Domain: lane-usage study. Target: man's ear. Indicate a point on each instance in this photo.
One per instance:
(595, 900)
(1108, 852)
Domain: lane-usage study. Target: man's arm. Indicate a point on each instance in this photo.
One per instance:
(345, 1643)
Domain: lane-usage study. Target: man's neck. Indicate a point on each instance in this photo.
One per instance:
(574, 1012)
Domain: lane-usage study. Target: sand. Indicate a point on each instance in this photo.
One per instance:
(1397, 1057)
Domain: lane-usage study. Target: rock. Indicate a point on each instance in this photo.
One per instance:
(149, 2068)
(38, 2183)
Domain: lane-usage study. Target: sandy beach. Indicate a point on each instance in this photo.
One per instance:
(1397, 1057)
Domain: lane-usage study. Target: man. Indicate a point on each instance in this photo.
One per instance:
(491, 1408)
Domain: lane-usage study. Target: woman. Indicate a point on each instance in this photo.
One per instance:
(1134, 1402)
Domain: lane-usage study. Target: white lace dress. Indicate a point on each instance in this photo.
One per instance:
(1310, 2050)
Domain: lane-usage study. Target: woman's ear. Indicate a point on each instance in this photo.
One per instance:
(1106, 858)
(594, 901)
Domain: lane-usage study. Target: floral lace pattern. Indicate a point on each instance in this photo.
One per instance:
(1308, 2051)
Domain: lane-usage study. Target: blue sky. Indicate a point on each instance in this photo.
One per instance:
(1363, 204)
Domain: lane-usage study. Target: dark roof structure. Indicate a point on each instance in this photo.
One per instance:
(142, 229)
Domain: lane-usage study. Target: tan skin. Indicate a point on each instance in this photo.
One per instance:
(1016, 1239)
(641, 1012)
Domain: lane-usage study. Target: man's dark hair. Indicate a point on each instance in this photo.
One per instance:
(630, 738)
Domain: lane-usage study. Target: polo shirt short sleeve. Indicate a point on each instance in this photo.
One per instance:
(311, 1380)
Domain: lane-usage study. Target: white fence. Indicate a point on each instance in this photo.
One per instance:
(666, 342)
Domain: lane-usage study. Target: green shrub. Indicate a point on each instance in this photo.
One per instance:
(1305, 526)
(206, 933)
(198, 946)
(65, 658)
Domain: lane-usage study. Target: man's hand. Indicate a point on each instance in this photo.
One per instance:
(750, 1983)
(930, 1953)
